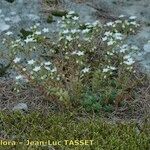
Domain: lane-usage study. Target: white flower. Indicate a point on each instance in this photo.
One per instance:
(47, 68)
(74, 31)
(123, 26)
(31, 62)
(68, 16)
(105, 69)
(108, 33)
(37, 68)
(45, 30)
(58, 78)
(121, 16)
(54, 69)
(18, 40)
(80, 53)
(16, 60)
(132, 17)
(127, 57)
(63, 18)
(118, 36)
(109, 23)
(71, 12)
(112, 68)
(123, 50)
(104, 38)
(47, 63)
(69, 38)
(65, 31)
(130, 61)
(86, 31)
(24, 69)
(9, 33)
(111, 42)
(109, 53)
(124, 46)
(118, 21)
(29, 39)
(133, 23)
(87, 24)
(19, 77)
(38, 32)
(75, 18)
(43, 77)
(134, 47)
(96, 23)
(85, 70)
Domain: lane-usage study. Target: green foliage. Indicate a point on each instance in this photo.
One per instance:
(25, 33)
(10, 1)
(39, 126)
(4, 69)
(50, 19)
(97, 102)
(92, 102)
(59, 13)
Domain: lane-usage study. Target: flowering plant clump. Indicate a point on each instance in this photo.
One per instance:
(86, 64)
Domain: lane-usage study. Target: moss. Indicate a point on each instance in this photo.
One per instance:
(39, 126)
(24, 33)
(148, 24)
(50, 19)
(10, 1)
(59, 13)
(4, 69)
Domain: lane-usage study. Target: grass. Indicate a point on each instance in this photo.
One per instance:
(41, 127)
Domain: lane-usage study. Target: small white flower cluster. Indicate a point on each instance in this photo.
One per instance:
(37, 71)
(128, 60)
(9, 33)
(112, 38)
(21, 78)
(71, 28)
(85, 70)
(108, 69)
(43, 65)
(79, 53)
(126, 24)
(29, 39)
(17, 60)
(127, 49)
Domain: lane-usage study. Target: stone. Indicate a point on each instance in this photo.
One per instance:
(147, 48)
(4, 26)
(20, 107)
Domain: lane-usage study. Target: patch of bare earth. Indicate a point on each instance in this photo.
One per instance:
(29, 95)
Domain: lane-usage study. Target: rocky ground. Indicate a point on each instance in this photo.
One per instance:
(22, 14)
